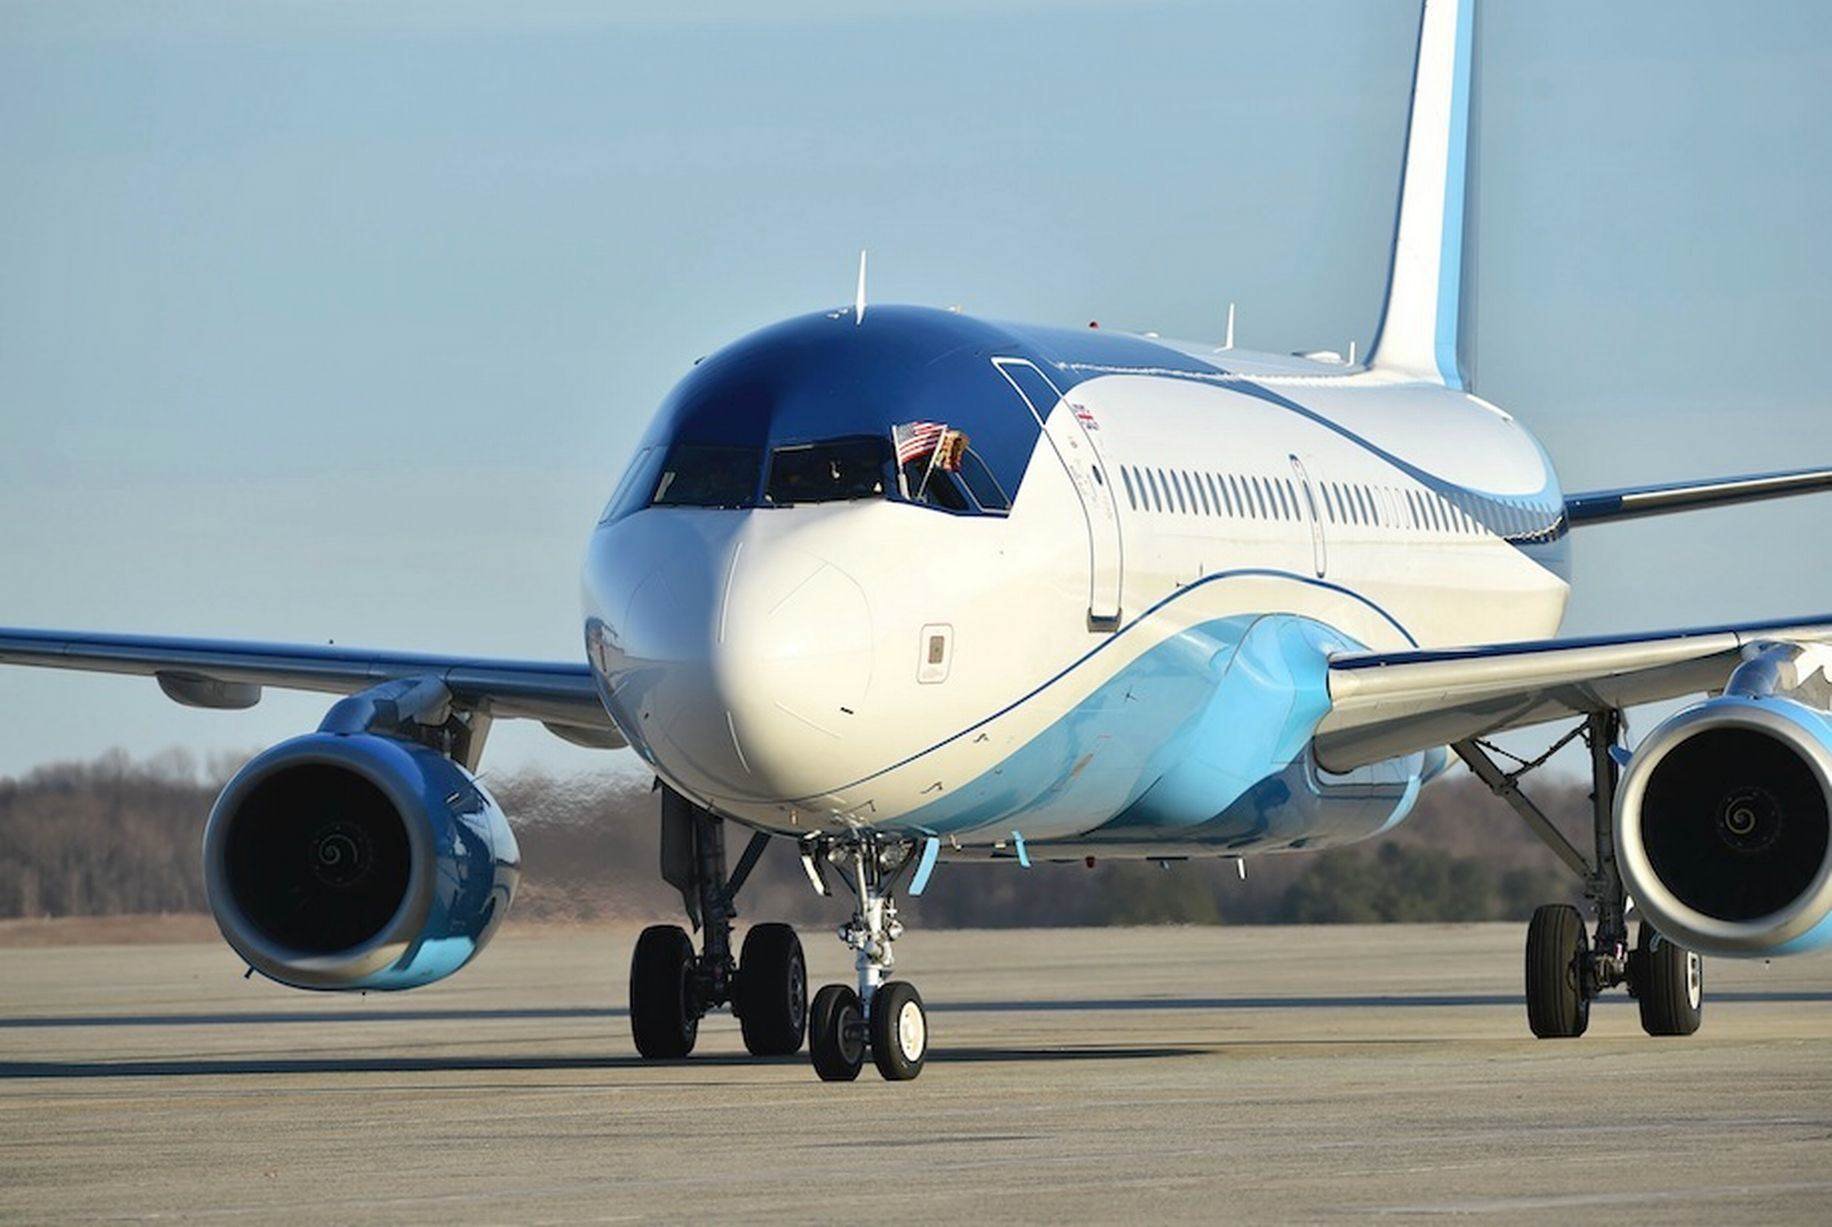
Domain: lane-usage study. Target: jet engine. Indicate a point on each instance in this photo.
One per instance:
(1724, 817)
(357, 861)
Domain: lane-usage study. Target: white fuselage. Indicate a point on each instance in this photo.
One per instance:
(859, 663)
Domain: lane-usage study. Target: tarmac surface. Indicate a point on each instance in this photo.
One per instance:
(1110, 1075)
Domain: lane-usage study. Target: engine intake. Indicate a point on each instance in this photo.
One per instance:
(357, 861)
(1724, 825)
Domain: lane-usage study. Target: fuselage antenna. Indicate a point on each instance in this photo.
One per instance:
(1229, 343)
(858, 298)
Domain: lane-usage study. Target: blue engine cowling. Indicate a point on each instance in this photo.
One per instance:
(357, 861)
(1724, 827)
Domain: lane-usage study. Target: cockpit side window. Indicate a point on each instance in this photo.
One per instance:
(982, 484)
(833, 471)
(708, 475)
(619, 504)
(935, 486)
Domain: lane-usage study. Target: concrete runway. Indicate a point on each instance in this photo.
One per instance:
(1216, 1074)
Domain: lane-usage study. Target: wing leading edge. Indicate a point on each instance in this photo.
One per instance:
(231, 674)
(1386, 704)
(1633, 502)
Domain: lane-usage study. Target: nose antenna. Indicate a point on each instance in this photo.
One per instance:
(858, 298)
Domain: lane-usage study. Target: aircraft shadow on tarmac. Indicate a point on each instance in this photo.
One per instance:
(214, 1066)
(188, 1067)
(387, 1014)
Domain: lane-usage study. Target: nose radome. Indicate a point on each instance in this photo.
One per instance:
(741, 661)
(793, 663)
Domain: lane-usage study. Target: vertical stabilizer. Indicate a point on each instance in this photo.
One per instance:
(1419, 333)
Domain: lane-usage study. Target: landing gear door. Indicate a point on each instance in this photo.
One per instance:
(1073, 440)
(1313, 510)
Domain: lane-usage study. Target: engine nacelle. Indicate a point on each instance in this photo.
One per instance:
(357, 861)
(1724, 827)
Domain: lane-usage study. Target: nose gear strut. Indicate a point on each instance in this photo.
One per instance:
(882, 1016)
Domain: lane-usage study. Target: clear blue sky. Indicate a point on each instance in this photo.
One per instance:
(337, 321)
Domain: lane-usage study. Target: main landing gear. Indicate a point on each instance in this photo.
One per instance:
(672, 986)
(1568, 967)
(883, 1018)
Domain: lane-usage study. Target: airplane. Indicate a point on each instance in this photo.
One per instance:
(903, 586)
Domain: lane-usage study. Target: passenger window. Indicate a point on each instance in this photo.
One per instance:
(1131, 499)
(709, 475)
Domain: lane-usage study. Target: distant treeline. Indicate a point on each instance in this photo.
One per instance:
(120, 836)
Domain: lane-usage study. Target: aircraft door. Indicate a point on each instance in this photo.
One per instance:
(1313, 506)
(1073, 442)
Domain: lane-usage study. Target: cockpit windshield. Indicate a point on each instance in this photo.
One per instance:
(907, 406)
(827, 471)
(833, 471)
(708, 475)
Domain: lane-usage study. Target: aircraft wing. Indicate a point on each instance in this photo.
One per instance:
(1634, 502)
(1385, 704)
(230, 674)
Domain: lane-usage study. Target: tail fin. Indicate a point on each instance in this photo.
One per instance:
(1419, 333)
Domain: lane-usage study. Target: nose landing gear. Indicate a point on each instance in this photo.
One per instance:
(882, 1017)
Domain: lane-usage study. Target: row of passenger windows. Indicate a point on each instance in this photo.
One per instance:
(1249, 497)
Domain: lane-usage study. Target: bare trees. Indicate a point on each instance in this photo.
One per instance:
(119, 836)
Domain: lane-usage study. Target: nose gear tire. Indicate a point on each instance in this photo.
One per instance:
(899, 1031)
(836, 1033)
